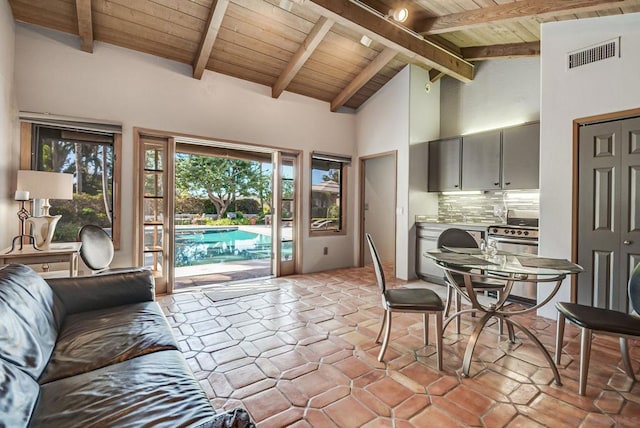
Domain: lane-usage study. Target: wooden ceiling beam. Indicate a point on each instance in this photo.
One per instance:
(301, 56)
(218, 10)
(512, 11)
(514, 50)
(396, 37)
(85, 25)
(435, 75)
(361, 79)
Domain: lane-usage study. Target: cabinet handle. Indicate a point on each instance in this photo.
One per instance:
(496, 184)
(627, 242)
(507, 183)
(455, 185)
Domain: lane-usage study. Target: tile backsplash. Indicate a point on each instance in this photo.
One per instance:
(483, 208)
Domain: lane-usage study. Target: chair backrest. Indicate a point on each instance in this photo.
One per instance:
(97, 248)
(376, 263)
(456, 238)
(634, 289)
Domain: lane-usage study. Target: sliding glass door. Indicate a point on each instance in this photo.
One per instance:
(210, 214)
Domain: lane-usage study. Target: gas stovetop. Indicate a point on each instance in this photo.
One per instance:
(516, 231)
(522, 224)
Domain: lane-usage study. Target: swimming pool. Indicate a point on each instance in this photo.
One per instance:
(197, 246)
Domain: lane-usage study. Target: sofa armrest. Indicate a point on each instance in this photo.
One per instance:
(87, 293)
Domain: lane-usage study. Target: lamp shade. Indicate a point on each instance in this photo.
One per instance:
(46, 185)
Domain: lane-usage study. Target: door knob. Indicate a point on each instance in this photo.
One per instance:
(626, 242)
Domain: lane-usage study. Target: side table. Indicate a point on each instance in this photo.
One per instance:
(59, 252)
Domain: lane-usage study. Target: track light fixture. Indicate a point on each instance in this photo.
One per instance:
(399, 14)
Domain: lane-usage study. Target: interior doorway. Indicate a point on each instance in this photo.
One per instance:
(378, 206)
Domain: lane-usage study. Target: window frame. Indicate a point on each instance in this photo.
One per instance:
(26, 156)
(345, 162)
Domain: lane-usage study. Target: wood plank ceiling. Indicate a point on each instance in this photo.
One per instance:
(313, 47)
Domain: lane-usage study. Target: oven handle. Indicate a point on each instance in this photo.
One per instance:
(531, 242)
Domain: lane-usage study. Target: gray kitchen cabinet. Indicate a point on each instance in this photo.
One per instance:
(507, 159)
(426, 268)
(444, 164)
(521, 157)
(481, 161)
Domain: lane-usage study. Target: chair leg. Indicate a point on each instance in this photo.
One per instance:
(458, 303)
(425, 317)
(626, 361)
(387, 333)
(447, 305)
(439, 339)
(500, 323)
(559, 336)
(382, 324)
(585, 354)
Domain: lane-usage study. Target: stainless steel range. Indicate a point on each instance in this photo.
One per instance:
(518, 236)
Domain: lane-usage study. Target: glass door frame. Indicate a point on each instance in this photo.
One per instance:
(165, 144)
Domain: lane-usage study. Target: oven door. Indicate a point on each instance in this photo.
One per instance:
(525, 292)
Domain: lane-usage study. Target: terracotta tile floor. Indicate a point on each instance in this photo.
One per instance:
(305, 356)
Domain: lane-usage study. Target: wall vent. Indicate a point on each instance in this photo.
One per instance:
(599, 52)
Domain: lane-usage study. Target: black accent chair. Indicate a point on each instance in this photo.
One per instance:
(602, 321)
(418, 300)
(458, 238)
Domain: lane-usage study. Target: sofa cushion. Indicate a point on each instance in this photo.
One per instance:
(156, 390)
(18, 395)
(31, 316)
(95, 339)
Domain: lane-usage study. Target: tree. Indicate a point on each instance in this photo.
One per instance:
(221, 180)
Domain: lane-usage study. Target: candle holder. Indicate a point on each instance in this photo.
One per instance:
(23, 215)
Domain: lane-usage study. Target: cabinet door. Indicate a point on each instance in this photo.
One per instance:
(481, 161)
(521, 157)
(426, 268)
(444, 165)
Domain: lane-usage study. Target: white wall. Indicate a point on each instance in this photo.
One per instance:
(607, 86)
(503, 92)
(424, 126)
(382, 125)
(116, 84)
(8, 123)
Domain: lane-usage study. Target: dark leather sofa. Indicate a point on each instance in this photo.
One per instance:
(94, 351)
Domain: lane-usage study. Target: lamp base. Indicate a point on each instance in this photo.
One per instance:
(42, 228)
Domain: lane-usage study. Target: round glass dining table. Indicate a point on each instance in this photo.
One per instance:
(463, 266)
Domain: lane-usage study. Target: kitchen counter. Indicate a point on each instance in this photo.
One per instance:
(460, 225)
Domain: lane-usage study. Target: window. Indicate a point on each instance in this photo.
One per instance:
(91, 156)
(328, 184)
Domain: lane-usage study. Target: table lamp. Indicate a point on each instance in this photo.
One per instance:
(45, 185)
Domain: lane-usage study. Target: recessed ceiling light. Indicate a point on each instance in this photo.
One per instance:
(400, 14)
(366, 41)
(286, 5)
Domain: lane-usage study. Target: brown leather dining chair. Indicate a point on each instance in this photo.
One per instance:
(601, 321)
(417, 300)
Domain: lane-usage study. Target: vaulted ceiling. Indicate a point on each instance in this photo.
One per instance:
(313, 47)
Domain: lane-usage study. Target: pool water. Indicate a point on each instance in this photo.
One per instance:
(219, 245)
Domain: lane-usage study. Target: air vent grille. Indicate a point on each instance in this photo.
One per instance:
(599, 52)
